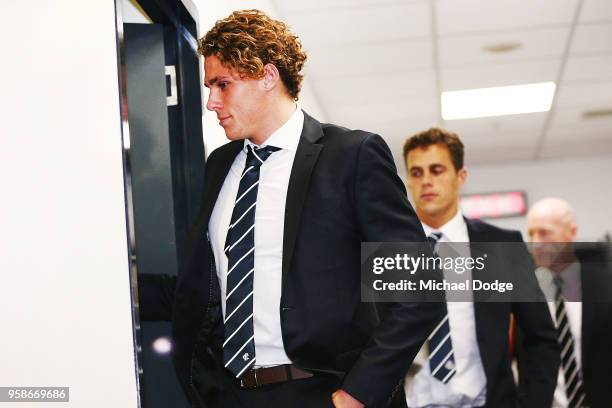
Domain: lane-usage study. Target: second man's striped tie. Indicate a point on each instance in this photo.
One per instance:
(441, 356)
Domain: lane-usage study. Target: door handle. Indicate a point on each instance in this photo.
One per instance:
(172, 99)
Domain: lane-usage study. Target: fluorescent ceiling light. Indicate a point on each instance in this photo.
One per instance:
(498, 101)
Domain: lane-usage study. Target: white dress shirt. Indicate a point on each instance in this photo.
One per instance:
(269, 229)
(572, 289)
(468, 387)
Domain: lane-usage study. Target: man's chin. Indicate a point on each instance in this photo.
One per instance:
(431, 210)
(233, 135)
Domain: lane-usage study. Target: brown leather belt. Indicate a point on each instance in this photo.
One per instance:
(272, 375)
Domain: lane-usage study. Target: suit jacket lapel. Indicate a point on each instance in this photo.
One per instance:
(588, 310)
(305, 159)
(476, 234)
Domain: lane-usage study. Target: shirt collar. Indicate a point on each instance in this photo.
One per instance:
(286, 137)
(571, 282)
(571, 274)
(451, 230)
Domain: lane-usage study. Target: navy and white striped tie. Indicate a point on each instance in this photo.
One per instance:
(572, 374)
(239, 343)
(441, 356)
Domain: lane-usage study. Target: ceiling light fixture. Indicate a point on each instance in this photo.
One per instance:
(597, 113)
(498, 101)
(502, 47)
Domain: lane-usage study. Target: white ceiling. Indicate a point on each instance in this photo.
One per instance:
(381, 65)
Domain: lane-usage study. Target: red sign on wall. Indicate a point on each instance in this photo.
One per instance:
(494, 205)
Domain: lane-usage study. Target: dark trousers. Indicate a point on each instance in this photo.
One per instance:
(314, 392)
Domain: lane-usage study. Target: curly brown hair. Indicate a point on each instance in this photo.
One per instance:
(247, 40)
(437, 136)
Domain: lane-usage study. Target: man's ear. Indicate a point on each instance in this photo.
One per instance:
(462, 176)
(271, 77)
(573, 231)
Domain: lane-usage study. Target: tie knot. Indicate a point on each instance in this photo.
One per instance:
(256, 156)
(433, 240)
(434, 237)
(558, 281)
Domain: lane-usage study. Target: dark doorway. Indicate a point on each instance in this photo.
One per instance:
(164, 166)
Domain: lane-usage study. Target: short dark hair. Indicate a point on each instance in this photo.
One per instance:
(434, 136)
(249, 39)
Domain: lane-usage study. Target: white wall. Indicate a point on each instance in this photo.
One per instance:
(65, 294)
(210, 11)
(586, 183)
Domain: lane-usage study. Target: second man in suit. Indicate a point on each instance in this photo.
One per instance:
(477, 354)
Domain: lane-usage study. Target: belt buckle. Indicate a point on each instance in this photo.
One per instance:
(244, 385)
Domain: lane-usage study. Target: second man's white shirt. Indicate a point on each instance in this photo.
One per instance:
(269, 233)
(467, 388)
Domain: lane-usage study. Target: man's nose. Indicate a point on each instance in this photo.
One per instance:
(213, 103)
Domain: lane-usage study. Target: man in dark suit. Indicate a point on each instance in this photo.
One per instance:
(267, 309)
(577, 280)
(474, 369)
